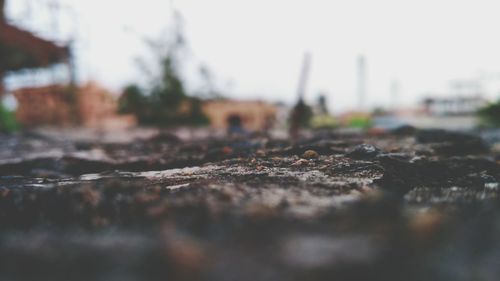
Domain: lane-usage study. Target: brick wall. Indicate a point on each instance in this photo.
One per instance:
(88, 106)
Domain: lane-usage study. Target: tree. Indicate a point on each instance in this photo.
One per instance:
(169, 91)
(132, 100)
(166, 102)
(490, 115)
(300, 117)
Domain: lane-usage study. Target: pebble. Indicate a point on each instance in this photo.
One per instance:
(260, 153)
(277, 159)
(260, 168)
(310, 154)
(300, 162)
(363, 152)
(491, 185)
(4, 192)
(425, 225)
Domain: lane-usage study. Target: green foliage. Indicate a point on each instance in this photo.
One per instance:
(162, 108)
(169, 91)
(490, 115)
(361, 122)
(324, 121)
(8, 122)
(197, 117)
(132, 100)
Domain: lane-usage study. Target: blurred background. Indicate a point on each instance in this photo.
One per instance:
(248, 66)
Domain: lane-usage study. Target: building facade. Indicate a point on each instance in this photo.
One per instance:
(251, 115)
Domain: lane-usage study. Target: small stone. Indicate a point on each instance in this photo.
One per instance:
(300, 162)
(491, 185)
(323, 167)
(364, 152)
(143, 198)
(277, 159)
(4, 192)
(260, 153)
(310, 154)
(227, 150)
(425, 225)
(91, 196)
(395, 149)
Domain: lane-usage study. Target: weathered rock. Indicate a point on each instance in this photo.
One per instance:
(439, 135)
(401, 176)
(405, 130)
(218, 209)
(452, 143)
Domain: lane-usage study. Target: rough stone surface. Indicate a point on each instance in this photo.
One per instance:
(247, 209)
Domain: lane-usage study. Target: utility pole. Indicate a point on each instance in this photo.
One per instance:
(304, 76)
(361, 85)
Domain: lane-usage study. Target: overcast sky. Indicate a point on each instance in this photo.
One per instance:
(255, 47)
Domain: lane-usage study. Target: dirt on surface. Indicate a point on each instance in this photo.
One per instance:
(406, 205)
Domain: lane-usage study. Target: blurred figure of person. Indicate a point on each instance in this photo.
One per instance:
(235, 126)
(299, 118)
(301, 113)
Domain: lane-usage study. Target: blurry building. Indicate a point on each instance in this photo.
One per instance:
(453, 113)
(97, 107)
(252, 115)
(458, 105)
(465, 97)
(62, 106)
(22, 50)
(47, 105)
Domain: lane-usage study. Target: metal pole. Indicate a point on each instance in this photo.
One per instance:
(304, 75)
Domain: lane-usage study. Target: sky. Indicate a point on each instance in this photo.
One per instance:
(255, 48)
